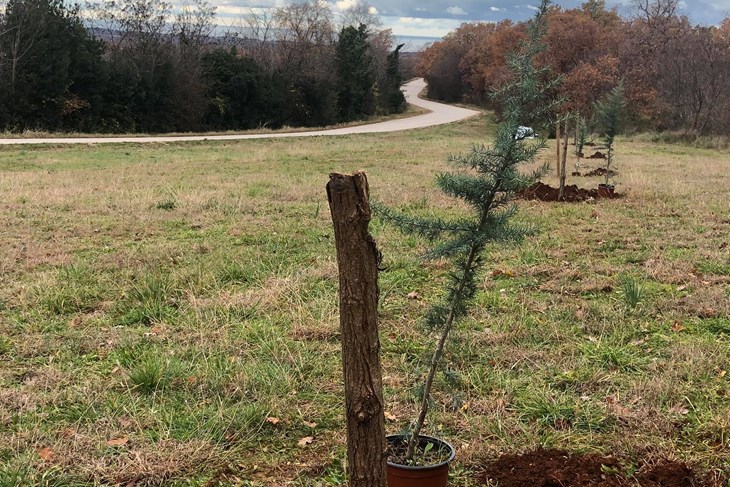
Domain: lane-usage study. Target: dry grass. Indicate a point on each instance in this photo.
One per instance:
(178, 295)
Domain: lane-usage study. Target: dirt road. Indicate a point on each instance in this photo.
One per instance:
(439, 114)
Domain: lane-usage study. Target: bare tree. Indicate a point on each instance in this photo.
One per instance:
(658, 16)
(305, 35)
(194, 24)
(137, 28)
(256, 31)
(21, 24)
(361, 13)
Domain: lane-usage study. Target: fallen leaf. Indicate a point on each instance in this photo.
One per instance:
(309, 425)
(679, 409)
(307, 440)
(273, 420)
(68, 433)
(682, 287)
(390, 416)
(580, 314)
(118, 441)
(722, 373)
(46, 454)
(413, 295)
(677, 327)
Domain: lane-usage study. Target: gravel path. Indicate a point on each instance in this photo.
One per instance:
(439, 114)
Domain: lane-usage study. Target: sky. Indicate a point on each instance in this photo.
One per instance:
(436, 18)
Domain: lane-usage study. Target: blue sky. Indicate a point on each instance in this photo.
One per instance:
(435, 18)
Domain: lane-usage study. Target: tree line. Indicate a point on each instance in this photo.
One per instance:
(674, 74)
(138, 66)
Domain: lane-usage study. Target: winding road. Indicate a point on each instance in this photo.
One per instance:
(439, 114)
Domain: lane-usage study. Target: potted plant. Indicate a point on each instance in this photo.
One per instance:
(487, 179)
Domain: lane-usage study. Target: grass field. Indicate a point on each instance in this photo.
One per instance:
(168, 313)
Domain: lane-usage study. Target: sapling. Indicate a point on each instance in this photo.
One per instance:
(487, 179)
(608, 118)
(581, 137)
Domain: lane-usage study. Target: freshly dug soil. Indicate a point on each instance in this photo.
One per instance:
(601, 171)
(572, 193)
(597, 155)
(556, 468)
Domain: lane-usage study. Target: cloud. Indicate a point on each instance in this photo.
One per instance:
(456, 11)
(496, 9)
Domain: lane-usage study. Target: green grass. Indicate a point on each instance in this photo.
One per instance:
(183, 297)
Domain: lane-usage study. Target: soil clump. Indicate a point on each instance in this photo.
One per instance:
(571, 193)
(601, 171)
(556, 468)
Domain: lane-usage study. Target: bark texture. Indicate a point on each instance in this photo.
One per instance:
(357, 260)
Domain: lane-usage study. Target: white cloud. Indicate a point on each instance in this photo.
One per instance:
(420, 27)
(532, 7)
(373, 11)
(456, 11)
(496, 9)
(345, 4)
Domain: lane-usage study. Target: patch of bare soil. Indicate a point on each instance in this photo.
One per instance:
(597, 155)
(556, 468)
(572, 193)
(601, 171)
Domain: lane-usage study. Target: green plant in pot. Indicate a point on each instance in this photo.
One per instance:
(486, 179)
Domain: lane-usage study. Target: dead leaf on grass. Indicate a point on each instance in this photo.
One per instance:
(46, 454)
(121, 441)
(390, 416)
(679, 409)
(309, 424)
(413, 295)
(307, 440)
(273, 420)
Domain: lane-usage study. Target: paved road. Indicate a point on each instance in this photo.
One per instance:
(439, 114)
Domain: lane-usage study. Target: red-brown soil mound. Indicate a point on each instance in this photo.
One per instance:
(555, 468)
(572, 193)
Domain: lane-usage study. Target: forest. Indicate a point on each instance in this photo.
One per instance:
(675, 74)
(142, 66)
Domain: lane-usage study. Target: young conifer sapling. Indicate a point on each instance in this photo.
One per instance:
(609, 114)
(486, 179)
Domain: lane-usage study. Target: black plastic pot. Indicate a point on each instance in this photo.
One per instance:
(420, 476)
(605, 190)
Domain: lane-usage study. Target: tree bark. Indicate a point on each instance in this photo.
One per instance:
(357, 260)
(557, 147)
(563, 160)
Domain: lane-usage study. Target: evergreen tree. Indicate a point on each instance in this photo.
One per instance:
(486, 180)
(395, 101)
(52, 70)
(355, 74)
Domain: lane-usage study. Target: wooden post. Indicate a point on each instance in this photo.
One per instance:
(357, 260)
(557, 145)
(563, 161)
